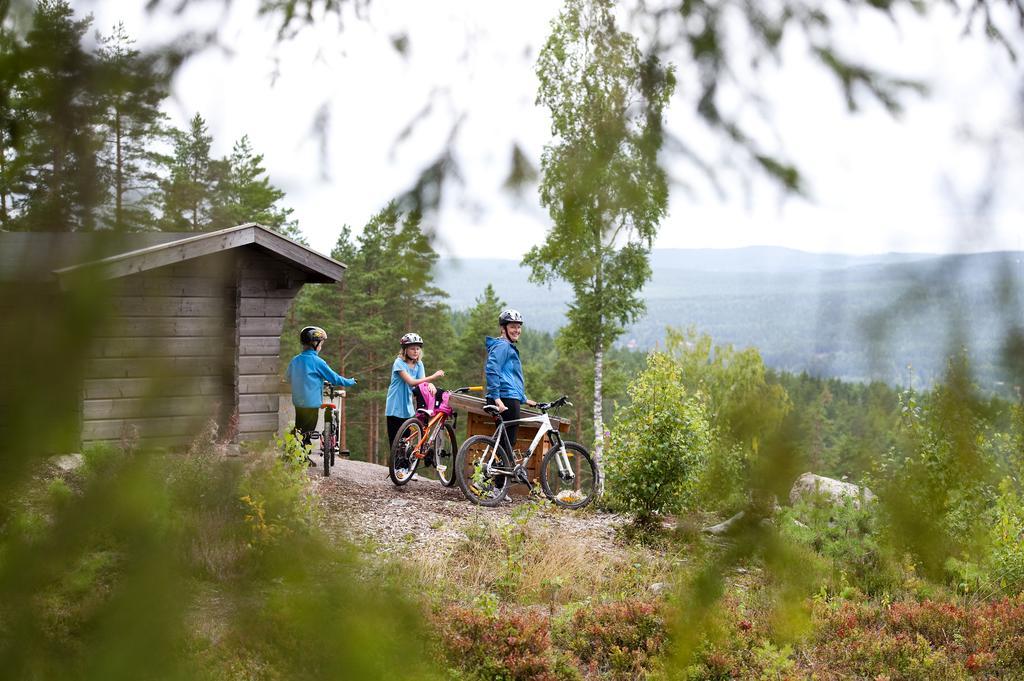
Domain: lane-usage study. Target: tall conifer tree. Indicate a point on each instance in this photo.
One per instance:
(130, 91)
(57, 168)
(245, 194)
(189, 190)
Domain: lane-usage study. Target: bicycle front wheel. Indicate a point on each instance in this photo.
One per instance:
(474, 470)
(570, 481)
(445, 449)
(402, 462)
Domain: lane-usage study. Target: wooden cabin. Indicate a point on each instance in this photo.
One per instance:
(191, 325)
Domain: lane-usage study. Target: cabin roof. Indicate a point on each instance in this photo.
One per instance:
(62, 257)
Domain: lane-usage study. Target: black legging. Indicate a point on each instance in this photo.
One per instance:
(394, 423)
(306, 420)
(510, 414)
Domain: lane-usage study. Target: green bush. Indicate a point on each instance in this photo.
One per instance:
(145, 564)
(848, 536)
(658, 445)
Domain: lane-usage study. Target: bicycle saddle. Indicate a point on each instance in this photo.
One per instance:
(491, 409)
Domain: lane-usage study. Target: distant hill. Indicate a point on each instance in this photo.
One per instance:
(852, 317)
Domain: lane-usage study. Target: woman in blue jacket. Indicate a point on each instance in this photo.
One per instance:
(504, 371)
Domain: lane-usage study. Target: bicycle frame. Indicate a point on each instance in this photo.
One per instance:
(545, 428)
(430, 431)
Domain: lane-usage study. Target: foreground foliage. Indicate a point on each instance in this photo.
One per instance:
(189, 567)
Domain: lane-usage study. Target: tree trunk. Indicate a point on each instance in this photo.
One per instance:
(598, 399)
(341, 367)
(4, 217)
(118, 175)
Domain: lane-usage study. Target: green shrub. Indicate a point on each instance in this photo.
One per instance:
(152, 564)
(658, 445)
(847, 535)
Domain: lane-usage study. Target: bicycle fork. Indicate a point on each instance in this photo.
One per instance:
(565, 471)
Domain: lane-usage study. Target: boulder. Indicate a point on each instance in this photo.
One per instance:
(835, 490)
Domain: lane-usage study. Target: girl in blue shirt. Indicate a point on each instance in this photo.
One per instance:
(406, 373)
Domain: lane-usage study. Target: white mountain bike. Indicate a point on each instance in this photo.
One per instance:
(485, 470)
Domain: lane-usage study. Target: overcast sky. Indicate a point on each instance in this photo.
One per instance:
(877, 184)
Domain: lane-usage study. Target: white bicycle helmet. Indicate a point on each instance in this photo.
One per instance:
(411, 339)
(510, 316)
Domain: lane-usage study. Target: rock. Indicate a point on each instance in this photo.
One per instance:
(68, 462)
(726, 526)
(835, 490)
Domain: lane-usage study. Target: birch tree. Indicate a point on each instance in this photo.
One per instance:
(601, 181)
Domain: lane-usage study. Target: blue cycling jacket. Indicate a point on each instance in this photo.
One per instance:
(307, 372)
(504, 370)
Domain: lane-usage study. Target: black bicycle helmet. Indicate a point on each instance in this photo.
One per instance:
(509, 316)
(411, 339)
(311, 335)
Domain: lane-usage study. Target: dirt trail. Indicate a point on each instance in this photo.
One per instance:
(360, 502)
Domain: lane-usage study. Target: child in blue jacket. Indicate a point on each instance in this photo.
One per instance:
(307, 372)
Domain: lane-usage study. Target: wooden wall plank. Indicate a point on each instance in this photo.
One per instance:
(154, 368)
(258, 403)
(268, 287)
(167, 286)
(148, 407)
(167, 306)
(257, 365)
(258, 423)
(259, 345)
(261, 326)
(184, 427)
(147, 327)
(261, 383)
(158, 347)
(264, 307)
(112, 388)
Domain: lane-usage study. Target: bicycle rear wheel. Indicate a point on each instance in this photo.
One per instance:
(573, 483)
(402, 462)
(326, 443)
(445, 449)
(473, 469)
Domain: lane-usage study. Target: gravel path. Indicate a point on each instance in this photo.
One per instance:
(361, 503)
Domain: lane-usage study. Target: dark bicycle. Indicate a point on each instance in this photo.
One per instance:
(329, 436)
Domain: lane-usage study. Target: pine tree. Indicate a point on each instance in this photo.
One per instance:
(246, 195)
(12, 88)
(129, 93)
(56, 165)
(189, 190)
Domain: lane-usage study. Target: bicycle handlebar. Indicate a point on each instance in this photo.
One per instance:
(560, 402)
(333, 390)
